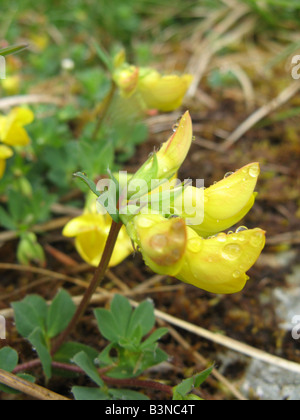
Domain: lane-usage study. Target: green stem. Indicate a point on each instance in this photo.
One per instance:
(98, 277)
(106, 104)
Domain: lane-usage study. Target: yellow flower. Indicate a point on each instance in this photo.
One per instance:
(12, 130)
(174, 151)
(181, 245)
(5, 153)
(126, 77)
(224, 204)
(91, 230)
(164, 93)
(164, 164)
(217, 265)
(161, 241)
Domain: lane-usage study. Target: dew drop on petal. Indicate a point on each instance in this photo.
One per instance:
(228, 174)
(222, 237)
(256, 238)
(241, 229)
(194, 245)
(254, 171)
(231, 252)
(236, 274)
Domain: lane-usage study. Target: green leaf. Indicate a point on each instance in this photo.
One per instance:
(202, 376)
(8, 359)
(104, 57)
(88, 182)
(29, 314)
(13, 49)
(154, 337)
(37, 339)
(152, 358)
(27, 377)
(60, 313)
(108, 198)
(182, 390)
(85, 363)
(143, 315)
(104, 357)
(6, 220)
(68, 350)
(108, 325)
(121, 310)
(82, 393)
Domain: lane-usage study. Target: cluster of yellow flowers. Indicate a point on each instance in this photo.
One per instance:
(156, 91)
(198, 254)
(12, 133)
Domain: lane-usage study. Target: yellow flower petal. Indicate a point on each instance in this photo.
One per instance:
(164, 93)
(164, 164)
(219, 264)
(174, 151)
(211, 226)
(91, 232)
(126, 77)
(5, 153)
(231, 194)
(227, 201)
(11, 127)
(161, 241)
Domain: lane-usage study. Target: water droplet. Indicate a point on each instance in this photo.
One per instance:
(236, 274)
(256, 238)
(222, 237)
(193, 138)
(254, 171)
(228, 174)
(241, 229)
(175, 127)
(231, 252)
(194, 245)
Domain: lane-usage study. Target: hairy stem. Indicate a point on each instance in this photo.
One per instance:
(98, 277)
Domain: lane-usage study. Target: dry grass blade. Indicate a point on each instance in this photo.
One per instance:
(230, 343)
(43, 227)
(220, 37)
(200, 359)
(261, 113)
(28, 388)
(30, 99)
